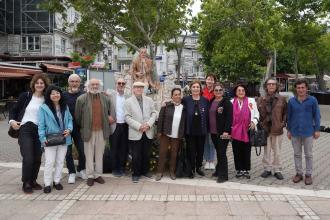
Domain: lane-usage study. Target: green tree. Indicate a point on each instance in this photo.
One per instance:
(238, 37)
(137, 23)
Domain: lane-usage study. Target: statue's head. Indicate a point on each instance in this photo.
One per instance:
(143, 52)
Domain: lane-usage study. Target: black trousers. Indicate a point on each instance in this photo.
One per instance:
(141, 151)
(119, 147)
(78, 142)
(30, 148)
(221, 149)
(195, 150)
(242, 155)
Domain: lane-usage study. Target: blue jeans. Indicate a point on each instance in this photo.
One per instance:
(209, 150)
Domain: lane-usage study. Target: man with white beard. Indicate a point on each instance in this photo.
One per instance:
(71, 97)
(92, 115)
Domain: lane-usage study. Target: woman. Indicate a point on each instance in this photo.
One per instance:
(220, 121)
(196, 126)
(24, 116)
(171, 122)
(54, 117)
(245, 117)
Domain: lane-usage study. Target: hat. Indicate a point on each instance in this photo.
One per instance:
(138, 84)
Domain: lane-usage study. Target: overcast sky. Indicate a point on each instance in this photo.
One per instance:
(196, 7)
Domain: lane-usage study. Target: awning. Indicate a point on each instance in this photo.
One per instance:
(14, 75)
(55, 68)
(17, 72)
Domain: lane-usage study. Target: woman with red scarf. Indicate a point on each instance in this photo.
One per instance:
(245, 117)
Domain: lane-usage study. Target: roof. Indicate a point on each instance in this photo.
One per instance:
(55, 68)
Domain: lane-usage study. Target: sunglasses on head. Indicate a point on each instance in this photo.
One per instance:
(121, 83)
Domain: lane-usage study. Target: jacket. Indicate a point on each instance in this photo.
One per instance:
(225, 117)
(303, 117)
(113, 96)
(165, 120)
(204, 109)
(48, 124)
(278, 114)
(135, 117)
(83, 115)
(17, 111)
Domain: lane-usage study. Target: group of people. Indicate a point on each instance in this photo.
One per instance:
(203, 119)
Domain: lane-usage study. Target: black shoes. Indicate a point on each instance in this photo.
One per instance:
(135, 179)
(215, 174)
(243, 173)
(27, 188)
(278, 176)
(147, 175)
(200, 172)
(47, 189)
(99, 180)
(58, 186)
(90, 182)
(266, 174)
(239, 173)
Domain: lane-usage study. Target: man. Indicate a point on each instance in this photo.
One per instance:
(71, 97)
(140, 116)
(92, 116)
(119, 129)
(209, 150)
(303, 127)
(273, 112)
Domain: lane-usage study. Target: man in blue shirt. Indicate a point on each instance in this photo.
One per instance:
(303, 127)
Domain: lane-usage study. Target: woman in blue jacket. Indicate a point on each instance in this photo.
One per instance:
(54, 117)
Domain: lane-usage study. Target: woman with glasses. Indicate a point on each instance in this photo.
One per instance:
(245, 117)
(220, 121)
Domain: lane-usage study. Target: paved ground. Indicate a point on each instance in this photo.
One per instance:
(200, 198)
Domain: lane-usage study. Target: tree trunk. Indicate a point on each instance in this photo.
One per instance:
(319, 74)
(178, 72)
(153, 52)
(295, 67)
(269, 72)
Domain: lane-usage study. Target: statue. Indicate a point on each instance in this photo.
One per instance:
(142, 69)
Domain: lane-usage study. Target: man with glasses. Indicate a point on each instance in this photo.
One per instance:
(119, 129)
(273, 112)
(71, 97)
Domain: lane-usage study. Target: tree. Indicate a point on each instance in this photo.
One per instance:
(238, 37)
(136, 23)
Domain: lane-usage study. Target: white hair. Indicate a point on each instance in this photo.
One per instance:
(74, 75)
(87, 84)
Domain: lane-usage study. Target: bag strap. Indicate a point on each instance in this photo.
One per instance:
(258, 152)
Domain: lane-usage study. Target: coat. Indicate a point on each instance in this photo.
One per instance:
(135, 117)
(225, 117)
(48, 124)
(165, 120)
(83, 115)
(278, 114)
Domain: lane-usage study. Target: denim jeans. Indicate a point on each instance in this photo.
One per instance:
(209, 150)
(81, 154)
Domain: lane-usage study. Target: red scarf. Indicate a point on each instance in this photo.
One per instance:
(241, 120)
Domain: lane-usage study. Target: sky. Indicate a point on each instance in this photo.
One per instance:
(196, 7)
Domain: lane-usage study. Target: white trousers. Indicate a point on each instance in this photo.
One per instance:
(54, 155)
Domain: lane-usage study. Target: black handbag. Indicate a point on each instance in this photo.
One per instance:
(12, 132)
(55, 139)
(258, 138)
(183, 167)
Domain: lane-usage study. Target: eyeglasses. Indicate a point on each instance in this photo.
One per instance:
(121, 83)
(218, 90)
(271, 84)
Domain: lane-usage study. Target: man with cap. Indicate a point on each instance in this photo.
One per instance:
(140, 115)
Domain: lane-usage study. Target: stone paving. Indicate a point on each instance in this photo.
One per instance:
(200, 198)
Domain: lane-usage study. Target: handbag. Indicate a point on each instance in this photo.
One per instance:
(258, 138)
(12, 132)
(55, 139)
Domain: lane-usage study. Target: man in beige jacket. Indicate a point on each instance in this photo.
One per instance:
(140, 115)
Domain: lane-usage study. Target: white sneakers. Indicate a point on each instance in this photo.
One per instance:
(209, 166)
(82, 174)
(72, 178)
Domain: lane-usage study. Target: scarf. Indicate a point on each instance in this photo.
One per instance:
(241, 120)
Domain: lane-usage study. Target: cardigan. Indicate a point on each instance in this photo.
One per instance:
(224, 117)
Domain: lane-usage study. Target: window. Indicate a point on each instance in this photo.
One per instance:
(30, 43)
(63, 45)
